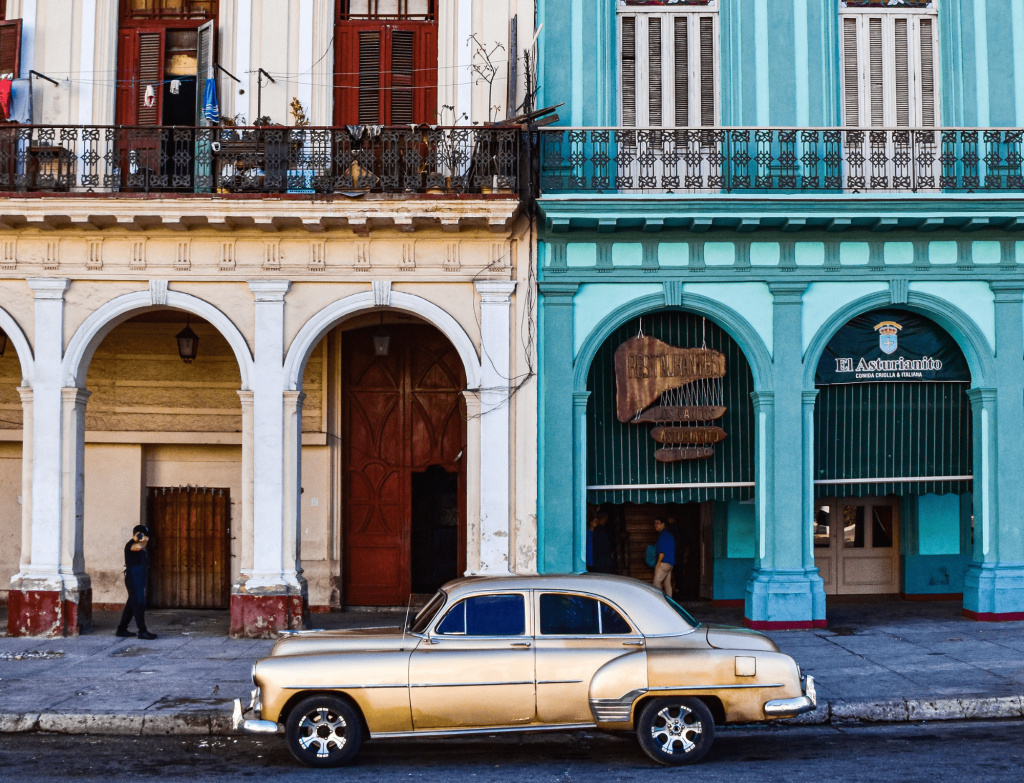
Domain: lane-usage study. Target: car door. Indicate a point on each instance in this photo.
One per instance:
(475, 666)
(576, 635)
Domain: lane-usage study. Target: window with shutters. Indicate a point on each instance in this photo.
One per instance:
(668, 64)
(889, 64)
(10, 47)
(385, 62)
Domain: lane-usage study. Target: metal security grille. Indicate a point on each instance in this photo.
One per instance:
(892, 430)
(623, 454)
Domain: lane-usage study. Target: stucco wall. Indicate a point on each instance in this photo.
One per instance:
(10, 513)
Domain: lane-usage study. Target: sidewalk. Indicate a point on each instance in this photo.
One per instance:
(876, 662)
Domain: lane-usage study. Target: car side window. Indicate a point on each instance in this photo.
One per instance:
(486, 615)
(612, 622)
(568, 615)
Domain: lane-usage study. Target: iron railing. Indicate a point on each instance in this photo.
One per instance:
(218, 160)
(828, 160)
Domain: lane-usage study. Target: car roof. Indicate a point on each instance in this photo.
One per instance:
(644, 604)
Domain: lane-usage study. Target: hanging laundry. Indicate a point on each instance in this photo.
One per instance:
(150, 99)
(175, 86)
(5, 99)
(211, 110)
(21, 101)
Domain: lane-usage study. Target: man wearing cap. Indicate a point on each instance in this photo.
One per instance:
(136, 567)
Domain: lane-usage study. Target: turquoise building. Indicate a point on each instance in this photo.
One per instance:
(828, 194)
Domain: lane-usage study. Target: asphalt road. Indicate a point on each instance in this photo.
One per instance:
(978, 751)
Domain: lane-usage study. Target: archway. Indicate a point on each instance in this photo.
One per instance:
(636, 473)
(894, 455)
(15, 370)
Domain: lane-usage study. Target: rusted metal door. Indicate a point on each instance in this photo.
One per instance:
(190, 548)
(401, 413)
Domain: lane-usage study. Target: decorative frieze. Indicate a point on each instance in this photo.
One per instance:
(51, 255)
(137, 257)
(183, 255)
(317, 256)
(272, 256)
(452, 257)
(362, 255)
(408, 262)
(227, 256)
(94, 261)
(9, 257)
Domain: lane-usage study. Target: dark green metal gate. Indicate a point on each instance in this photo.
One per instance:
(623, 454)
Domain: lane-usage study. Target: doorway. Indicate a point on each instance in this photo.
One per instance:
(403, 466)
(856, 545)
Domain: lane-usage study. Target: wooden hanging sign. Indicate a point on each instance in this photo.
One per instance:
(667, 414)
(646, 367)
(688, 436)
(684, 454)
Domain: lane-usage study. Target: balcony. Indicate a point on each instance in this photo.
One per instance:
(746, 178)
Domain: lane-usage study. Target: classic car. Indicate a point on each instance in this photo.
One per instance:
(525, 653)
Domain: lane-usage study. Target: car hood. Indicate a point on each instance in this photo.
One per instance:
(725, 637)
(350, 639)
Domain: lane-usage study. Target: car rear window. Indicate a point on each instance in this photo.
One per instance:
(564, 614)
(486, 615)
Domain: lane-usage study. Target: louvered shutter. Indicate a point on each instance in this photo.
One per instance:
(629, 85)
(876, 75)
(851, 76)
(682, 71)
(369, 76)
(204, 70)
(654, 72)
(707, 71)
(402, 70)
(10, 47)
(927, 33)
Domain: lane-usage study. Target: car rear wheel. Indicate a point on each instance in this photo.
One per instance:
(323, 731)
(675, 730)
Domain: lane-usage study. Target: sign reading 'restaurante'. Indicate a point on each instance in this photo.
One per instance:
(894, 346)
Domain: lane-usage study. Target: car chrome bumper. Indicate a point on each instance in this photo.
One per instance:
(790, 708)
(251, 725)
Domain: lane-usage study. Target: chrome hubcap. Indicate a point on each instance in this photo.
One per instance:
(322, 731)
(676, 729)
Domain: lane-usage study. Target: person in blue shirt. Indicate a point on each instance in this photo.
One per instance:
(665, 549)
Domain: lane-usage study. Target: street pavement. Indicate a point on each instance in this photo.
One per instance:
(895, 661)
(888, 753)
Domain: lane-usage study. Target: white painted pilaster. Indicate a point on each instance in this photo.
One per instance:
(243, 49)
(291, 534)
(495, 484)
(26, 476)
(305, 80)
(87, 62)
(464, 71)
(247, 479)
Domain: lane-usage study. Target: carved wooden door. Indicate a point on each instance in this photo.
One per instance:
(401, 413)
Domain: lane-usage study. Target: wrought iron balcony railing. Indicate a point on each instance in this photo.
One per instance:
(757, 160)
(269, 160)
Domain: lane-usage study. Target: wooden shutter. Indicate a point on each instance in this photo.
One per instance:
(851, 80)
(682, 70)
(654, 77)
(902, 73)
(402, 73)
(707, 71)
(629, 84)
(369, 76)
(140, 64)
(927, 74)
(10, 47)
(876, 72)
(204, 71)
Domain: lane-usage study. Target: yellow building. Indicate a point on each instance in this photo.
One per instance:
(358, 421)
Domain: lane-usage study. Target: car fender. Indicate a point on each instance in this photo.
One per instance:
(616, 687)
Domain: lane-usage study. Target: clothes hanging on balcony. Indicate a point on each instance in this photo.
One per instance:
(175, 86)
(150, 98)
(211, 109)
(5, 98)
(21, 102)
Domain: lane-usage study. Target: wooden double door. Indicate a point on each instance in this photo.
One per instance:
(404, 477)
(856, 545)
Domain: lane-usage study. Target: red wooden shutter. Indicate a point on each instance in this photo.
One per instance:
(140, 64)
(10, 47)
(370, 45)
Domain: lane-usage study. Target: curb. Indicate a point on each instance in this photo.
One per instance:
(218, 724)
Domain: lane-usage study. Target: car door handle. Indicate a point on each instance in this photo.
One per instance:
(520, 644)
(632, 644)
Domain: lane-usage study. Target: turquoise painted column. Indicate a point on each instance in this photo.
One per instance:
(557, 490)
(994, 582)
(783, 591)
(579, 542)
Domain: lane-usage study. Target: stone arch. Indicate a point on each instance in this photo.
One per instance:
(319, 324)
(728, 319)
(115, 312)
(20, 342)
(960, 326)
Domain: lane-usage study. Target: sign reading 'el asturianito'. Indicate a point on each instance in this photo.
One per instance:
(891, 346)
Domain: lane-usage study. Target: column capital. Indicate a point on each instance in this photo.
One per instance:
(48, 287)
(75, 395)
(247, 397)
(27, 394)
(294, 398)
(495, 291)
(981, 396)
(580, 398)
(809, 396)
(1008, 291)
(559, 293)
(787, 292)
(763, 399)
(269, 290)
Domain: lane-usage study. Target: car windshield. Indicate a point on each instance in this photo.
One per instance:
(682, 612)
(426, 614)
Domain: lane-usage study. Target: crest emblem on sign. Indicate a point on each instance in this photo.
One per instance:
(888, 336)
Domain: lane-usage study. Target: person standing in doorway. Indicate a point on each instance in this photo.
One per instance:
(602, 560)
(136, 572)
(665, 550)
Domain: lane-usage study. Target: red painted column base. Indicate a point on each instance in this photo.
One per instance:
(800, 625)
(993, 617)
(265, 616)
(48, 613)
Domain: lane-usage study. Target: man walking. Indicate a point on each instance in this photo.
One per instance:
(665, 549)
(136, 571)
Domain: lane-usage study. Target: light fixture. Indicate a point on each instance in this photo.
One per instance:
(188, 343)
(381, 339)
(3, 342)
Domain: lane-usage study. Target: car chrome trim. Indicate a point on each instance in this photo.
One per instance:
(558, 682)
(714, 687)
(498, 730)
(259, 727)
(615, 710)
(338, 687)
(790, 708)
(465, 684)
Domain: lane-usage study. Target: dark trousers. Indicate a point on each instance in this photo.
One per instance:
(135, 607)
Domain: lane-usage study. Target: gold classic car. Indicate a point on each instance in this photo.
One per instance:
(525, 653)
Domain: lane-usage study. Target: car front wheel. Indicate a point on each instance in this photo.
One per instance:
(323, 731)
(676, 730)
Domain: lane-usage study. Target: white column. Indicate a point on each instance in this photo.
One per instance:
(496, 374)
(304, 88)
(291, 541)
(26, 476)
(247, 483)
(45, 430)
(87, 62)
(72, 479)
(274, 566)
(243, 47)
(464, 70)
